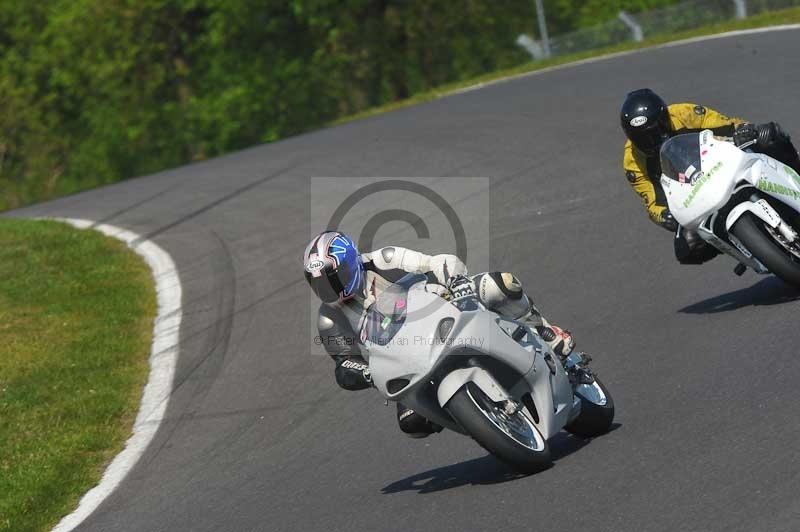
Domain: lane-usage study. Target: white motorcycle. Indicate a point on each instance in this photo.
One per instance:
(480, 374)
(745, 204)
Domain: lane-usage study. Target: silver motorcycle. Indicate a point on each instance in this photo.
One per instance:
(480, 374)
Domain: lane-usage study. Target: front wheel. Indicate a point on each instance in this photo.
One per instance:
(597, 410)
(768, 246)
(513, 438)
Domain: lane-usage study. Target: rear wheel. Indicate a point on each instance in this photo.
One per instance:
(770, 247)
(597, 410)
(511, 437)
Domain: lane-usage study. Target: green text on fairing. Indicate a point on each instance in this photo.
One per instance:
(792, 174)
(777, 188)
(699, 184)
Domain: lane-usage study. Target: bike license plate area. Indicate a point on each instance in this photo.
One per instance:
(746, 259)
(773, 218)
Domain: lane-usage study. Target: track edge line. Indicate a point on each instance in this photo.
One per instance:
(614, 55)
(162, 359)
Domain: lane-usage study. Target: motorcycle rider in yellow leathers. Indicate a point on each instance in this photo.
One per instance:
(648, 122)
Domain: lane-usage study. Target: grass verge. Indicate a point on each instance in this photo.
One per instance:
(76, 318)
(785, 16)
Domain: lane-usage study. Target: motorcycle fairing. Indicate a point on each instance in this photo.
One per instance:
(547, 384)
(723, 168)
(693, 193)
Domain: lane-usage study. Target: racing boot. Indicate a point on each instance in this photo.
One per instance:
(559, 340)
(563, 345)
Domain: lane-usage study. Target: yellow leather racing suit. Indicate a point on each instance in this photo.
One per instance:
(644, 173)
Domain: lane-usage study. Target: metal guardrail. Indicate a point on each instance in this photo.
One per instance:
(639, 26)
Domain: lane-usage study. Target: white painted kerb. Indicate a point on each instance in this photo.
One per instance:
(163, 356)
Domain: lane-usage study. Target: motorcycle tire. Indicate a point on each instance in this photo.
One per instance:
(597, 411)
(514, 439)
(749, 230)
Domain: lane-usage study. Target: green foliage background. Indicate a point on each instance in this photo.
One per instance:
(94, 91)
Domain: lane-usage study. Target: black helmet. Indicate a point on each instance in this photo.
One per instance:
(645, 120)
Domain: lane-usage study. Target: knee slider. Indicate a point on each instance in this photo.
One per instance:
(502, 293)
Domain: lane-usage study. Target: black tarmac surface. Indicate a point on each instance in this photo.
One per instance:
(703, 365)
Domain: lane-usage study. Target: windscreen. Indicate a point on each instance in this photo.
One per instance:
(387, 315)
(680, 157)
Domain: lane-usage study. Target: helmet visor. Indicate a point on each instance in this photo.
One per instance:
(649, 139)
(327, 286)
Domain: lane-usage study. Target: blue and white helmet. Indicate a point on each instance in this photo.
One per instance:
(333, 267)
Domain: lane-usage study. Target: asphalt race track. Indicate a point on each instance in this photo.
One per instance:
(702, 364)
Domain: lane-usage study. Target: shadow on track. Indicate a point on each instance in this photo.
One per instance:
(484, 470)
(768, 291)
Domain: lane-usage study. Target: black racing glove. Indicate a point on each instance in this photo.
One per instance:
(762, 135)
(460, 286)
(668, 221)
(745, 133)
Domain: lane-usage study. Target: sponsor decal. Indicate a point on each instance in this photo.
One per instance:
(773, 216)
(740, 247)
(315, 265)
(698, 183)
(777, 188)
(719, 244)
(405, 415)
(631, 176)
(353, 365)
(638, 121)
(790, 171)
(699, 110)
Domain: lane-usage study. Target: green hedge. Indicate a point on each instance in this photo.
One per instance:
(94, 91)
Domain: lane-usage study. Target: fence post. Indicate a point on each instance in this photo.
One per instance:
(636, 29)
(741, 8)
(530, 46)
(542, 28)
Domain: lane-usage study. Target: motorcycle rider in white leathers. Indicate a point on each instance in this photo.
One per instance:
(348, 283)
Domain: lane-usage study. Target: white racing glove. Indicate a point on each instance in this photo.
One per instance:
(444, 267)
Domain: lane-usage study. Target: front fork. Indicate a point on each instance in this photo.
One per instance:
(737, 250)
(577, 368)
(722, 220)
